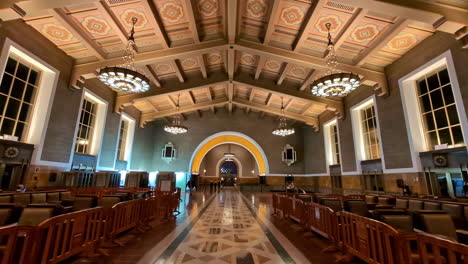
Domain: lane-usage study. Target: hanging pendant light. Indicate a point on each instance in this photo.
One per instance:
(229, 154)
(283, 129)
(334, 83)
(125, 78)
(175, 127)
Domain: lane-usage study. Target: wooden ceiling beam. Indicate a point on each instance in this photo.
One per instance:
(172, 87)
(202, 64)
(109, 16)
(274, 4)
(389, 34)
(348, 28)
(230, 94)
(231, 62)
(313, 121)
(210, 97)
(144, 118)
(260, 65)
(231, 10)
(268, 100)
(252, 94)
(311, 17)
(178, 70)
(284, 71)
(65, 21)
(151, 74)
(452, 13)
(310, 79)
(191, 97)
(156, 20)
(89, 70)
(270, 86)
(416, 10)
(192, 20)
(308, 61)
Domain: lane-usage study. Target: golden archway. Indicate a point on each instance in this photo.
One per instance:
(229, 138)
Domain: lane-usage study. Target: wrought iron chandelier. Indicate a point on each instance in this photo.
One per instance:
(229, 154)
(175, 127)
(334, 83)
(125, 77)
(283, 129)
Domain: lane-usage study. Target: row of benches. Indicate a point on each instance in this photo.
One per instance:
(87, 231)
(368, 239)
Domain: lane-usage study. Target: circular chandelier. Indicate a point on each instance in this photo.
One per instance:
(125, 78)
(176, 127)
(334, 83)
(283, 129)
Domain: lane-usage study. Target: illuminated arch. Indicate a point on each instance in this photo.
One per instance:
(229, 137)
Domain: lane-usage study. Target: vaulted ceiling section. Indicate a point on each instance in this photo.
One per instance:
(248, 54)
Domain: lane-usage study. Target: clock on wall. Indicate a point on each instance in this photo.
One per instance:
(11, 152)
(440, 160)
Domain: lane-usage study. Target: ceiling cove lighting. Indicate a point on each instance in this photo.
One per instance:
(283, 129)
(126, 78)
(334, 83)
(176, 127)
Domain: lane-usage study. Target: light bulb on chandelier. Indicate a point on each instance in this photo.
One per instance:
(176, 127)
(126, 78)
(283, 129)
(334, 83)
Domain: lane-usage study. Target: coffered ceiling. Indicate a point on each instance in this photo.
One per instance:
(237, 53)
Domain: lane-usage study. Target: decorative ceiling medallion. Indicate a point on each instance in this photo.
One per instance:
(213, 58)
(256, 8)
(189, 63)
(248, 59)
(333, 20)
(292, 15)
(164, 68)
(208, 8)
(96, 25)
(272, 65)
(129, 14)
(402, 42)
(171, 12)
(365, 33)
(298, 71)
(56, 32)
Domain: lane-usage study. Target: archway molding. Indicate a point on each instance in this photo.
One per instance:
(229, 137)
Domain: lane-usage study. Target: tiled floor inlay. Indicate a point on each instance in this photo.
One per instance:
(228, 232)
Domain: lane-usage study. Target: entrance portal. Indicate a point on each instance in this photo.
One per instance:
(228, 173)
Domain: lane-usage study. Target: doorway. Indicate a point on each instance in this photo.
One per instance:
(228, 173)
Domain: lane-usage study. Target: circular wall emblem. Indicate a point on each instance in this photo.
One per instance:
(11, 152)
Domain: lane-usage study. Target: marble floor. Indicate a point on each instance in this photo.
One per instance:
(222, 227)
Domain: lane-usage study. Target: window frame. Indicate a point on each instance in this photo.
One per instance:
(121, 145)
(89, 126)
(358, 140)
(43, 102)
(368, 134)
(128, 141)
(331, 147)
(413, 120)
(27, 122)
(432, 111)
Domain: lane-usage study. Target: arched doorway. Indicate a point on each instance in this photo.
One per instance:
(229, 137)
(228, 173)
